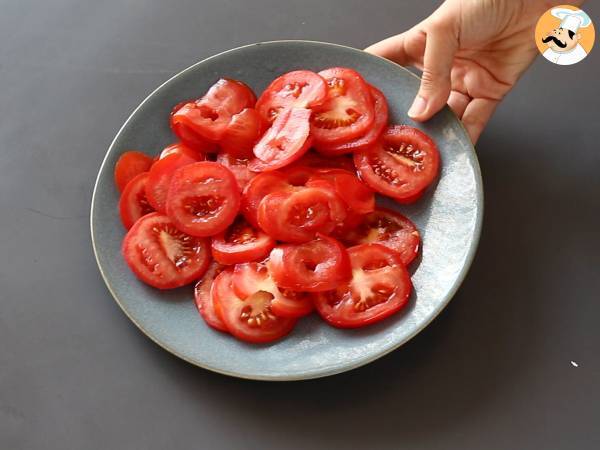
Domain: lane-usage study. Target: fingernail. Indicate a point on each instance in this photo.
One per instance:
(418, 107)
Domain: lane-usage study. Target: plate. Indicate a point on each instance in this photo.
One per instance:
(448, 217)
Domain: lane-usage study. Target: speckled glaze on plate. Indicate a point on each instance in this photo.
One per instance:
(449, 218)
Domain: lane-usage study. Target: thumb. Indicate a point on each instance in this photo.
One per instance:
(440, 47)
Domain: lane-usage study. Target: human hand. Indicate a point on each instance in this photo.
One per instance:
(471, 52)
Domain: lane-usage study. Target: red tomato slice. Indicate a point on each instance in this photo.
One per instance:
(179, 148)
(249, 319)
(348, 111)
(241, 243)
(209, 116)
(252, 278)
(319, 265)
(367, 139)
(300, 89)
(203, 198)
(160, 176)
(239, 168)
(286, 141)
(162, 256)
(312, 159)
(388, 228)
(129, 165)
(242, 133)
(257, 188)
(380, 286)
(358, 197)
(133, 203)
(203, 298)
(401, 165)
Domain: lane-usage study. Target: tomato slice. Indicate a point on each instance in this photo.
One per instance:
(286, 141)
(179, 148)
(253, 278)
(358, 197)
(312, 159)
(300, 88)
(159, 178)
(401, 165)
(133, 203)
(256, 189)
(388, 228)
(209, 116)
(348, 111)
(203, 198)
(380, 286)
(239, 168)
(242, 133)
(367, 139)
(249, 319)
(319, 265)
(240, 243)
(203, 298)
(162, 256)
(129, 165)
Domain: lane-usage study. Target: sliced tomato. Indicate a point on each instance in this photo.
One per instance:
(286, 141)
(249, 319)
(187, 136)
(160, 176)
(388, 228)
(380, 287)
(181, 148)
(359, 197)
(162, 256)
(312, 159)
(256, 189)
(348, 111)
(133, 203)
(252, 278)
(242, 133)
(239, 168)
(319, 265)
(240, 243)
(209, 116)
(300, 88)
(129, 165)
(297, 216)
(401, 165)
(203, 298)
(203, 198)
(298, 175)
(367, 139)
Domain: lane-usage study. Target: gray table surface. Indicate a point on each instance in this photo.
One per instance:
(494, 371)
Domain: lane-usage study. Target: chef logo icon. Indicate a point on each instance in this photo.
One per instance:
(564, 35)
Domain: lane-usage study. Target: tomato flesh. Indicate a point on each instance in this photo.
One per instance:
(162, 256)
(239, 168)
(129, 165)
(159, 178)
(204, 300)
(133, 203)
(240, 243)
(312, 159)
(179, 148)
(258, 188)
(358, 197)
(242, 133)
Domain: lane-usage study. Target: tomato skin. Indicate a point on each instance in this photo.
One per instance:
(129, 165)
(160, 175)
(370, 137)
(208, 117)
(300, 88)
(347, 91)
(401, 165)
(288, 265)
(242, 133)
(203, 198)
(249, 319)
(179, 148)
(133, 203)
(389, 228)
(239, 168)
(144, 251)
(203, 298)
(241, 243)
(380, 287)
(286, 141)
(256, 189)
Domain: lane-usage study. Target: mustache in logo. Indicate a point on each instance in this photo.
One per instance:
(556, 41)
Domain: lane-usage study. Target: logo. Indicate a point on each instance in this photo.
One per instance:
(564, 35)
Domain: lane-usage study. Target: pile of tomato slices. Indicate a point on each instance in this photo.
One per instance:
(269, 206)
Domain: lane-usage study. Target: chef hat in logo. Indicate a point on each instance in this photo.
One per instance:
(571, 20)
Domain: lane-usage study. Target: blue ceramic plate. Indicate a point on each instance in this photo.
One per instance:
(448, 217)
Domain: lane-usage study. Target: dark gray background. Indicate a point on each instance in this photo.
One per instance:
(492, 372)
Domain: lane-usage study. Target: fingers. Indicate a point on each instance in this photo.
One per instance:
(458, 102)
(440, 48)
(476, 116)
(396, 48)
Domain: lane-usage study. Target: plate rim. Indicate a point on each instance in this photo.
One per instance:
(328, 371)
